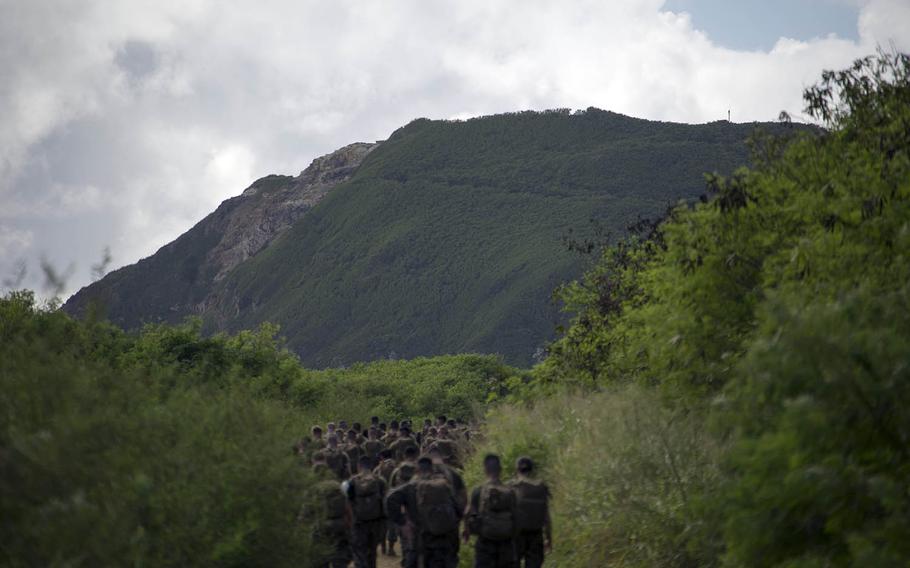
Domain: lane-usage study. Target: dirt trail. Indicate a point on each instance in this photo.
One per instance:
(388, 561)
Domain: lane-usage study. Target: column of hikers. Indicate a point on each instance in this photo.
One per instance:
(395, 485)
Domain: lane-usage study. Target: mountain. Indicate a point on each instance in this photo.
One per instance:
(447, 237)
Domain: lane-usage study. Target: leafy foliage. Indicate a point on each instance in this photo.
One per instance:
(626, 473)
(168, 448)
(779, 309)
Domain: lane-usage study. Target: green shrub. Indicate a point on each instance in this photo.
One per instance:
(821, 467)
(625, 470)
(168, 448)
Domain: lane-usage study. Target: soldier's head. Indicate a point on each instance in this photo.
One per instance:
(373, 433)
(374, 421)
(451, 424)
(317, 432)
(424, 466)
(352, 435)
(382, 427)
(393, 425)
(524, 465)
(364, 464)
(440, 420)
(410, 453)
(444, 432)
(433, 431)
(332, 441)
(404, 431)
(343, 425)
(331, 427)
(492, 466)
(357, 427)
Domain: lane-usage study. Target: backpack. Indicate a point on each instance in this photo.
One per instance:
(447, 448)
(367, 502)
(385, 469)
(496, 522)
(436, 506)
(531, 506)
(401, 444)
(404, 473)
(335, 460)
(335, 504)
(372, 448)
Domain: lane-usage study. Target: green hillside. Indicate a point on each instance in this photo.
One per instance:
(449, 238)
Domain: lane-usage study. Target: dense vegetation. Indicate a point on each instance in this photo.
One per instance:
(448, 239)
(166, 448)
(751, 361)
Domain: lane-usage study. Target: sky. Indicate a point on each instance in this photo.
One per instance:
(124, 123)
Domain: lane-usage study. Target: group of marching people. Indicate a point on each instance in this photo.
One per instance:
(395, 484)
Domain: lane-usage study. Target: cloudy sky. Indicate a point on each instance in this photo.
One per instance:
(122, 123)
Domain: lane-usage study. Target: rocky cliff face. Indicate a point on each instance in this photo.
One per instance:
(178, 279)
(272, 210)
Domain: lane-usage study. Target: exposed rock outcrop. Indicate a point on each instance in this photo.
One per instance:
(272, 210)
(179, 278)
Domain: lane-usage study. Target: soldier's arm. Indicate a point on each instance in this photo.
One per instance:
(548, 525)
(515, 531)
(393, 504)
(470, 514)
(461, 490)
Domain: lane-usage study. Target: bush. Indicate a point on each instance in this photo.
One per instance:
(168, 448)
(625, 470)
(821, 469)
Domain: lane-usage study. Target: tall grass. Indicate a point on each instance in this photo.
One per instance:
(625, 471)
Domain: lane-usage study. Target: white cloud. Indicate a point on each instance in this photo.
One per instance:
(126, 122)
(14, 242)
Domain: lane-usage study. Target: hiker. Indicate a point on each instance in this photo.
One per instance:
(357, 427)
(336, 459)
(374, 422)
(392, 433)
(447, 448)
(429, 438)
(427, 514)
(492, 517)
(385, 469)
(308, 446)
(451, 474)
(406, 470)
(404, 441)
(373, 446)
(535, 536)
(366, 494)
(330, 430)
(332, 515)
(352, 448)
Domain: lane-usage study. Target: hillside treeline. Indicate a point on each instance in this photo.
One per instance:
(168, 448)
(734, 387)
